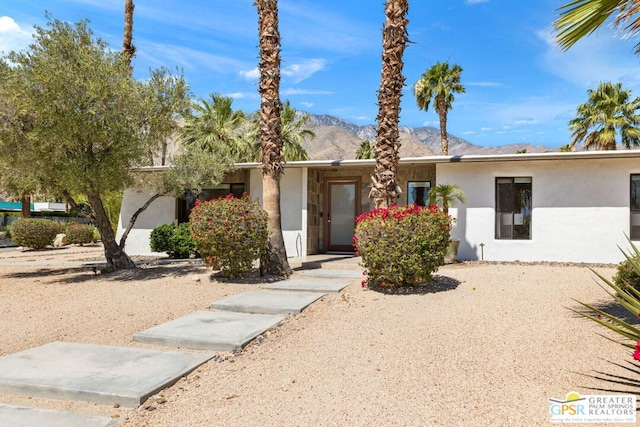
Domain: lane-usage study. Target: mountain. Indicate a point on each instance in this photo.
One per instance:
(338, 139)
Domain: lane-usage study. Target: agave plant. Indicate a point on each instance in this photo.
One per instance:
(628, 297)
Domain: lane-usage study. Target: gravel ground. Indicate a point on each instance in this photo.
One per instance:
(487, 345)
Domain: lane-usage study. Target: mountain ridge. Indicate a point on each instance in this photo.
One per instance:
(337, 138)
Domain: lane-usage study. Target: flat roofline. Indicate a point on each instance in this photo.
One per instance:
(471, 158)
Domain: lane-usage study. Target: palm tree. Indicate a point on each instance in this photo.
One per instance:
(294, 131)
(609, 110)
(579, 18)
(128, 49)
(439, 82)
(384, 186)
(274, 262)
(445, 195)
(367, 150)
(217, 127)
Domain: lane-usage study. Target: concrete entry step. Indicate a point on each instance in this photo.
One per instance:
(311, 284)
(19, 416)
(326, 272)
(208, 330)
(268, 302)
(94, 373)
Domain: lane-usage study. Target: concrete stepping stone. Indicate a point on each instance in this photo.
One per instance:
(267, 302)
(310, 284)
(325, 272)
(94, 373)
(208, 330)
(19, 416)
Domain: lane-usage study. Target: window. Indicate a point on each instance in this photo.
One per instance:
(186, 202)
(634, 229)
(418, 193)
(513, 208)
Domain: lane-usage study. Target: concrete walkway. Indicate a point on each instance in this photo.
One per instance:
(127, 376)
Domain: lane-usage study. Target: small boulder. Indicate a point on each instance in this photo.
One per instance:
(60, 240)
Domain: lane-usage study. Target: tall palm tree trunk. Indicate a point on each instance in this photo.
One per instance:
(385, 189)
(274, 262)
(128, 49)
(444, 139)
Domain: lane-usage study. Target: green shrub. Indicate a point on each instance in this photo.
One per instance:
(160, 238)
(35, 233)
(627, 275)
(175, 241)
(230, 233)
(402, 246)
(79, 233)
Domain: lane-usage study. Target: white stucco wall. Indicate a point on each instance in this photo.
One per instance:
(580, 209)
(161, 211)
(293, 207)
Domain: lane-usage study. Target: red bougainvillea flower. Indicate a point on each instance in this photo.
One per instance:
(636, 354)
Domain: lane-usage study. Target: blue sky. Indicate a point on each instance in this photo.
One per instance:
(520, 87)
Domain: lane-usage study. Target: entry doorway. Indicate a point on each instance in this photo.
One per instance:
(342, 209)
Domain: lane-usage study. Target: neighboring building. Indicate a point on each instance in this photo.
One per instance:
(569, 207)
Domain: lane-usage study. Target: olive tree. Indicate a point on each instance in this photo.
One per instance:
(91, 125)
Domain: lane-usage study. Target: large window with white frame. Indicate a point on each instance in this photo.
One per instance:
(513, 208)
(418, 192)
(634, 207)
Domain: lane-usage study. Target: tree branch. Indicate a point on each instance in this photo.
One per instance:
(134, 217)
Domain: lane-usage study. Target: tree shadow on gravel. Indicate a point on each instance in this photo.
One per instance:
(617, 383)
(613, 308)
(438, 284)
(91, 273)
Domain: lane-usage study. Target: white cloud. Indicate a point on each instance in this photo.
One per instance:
(307, 104)
(525, 121)
(297, 91)
(472, 2)
(595, 58)
(304, 70)
(12, 36)
(484, 84)
(236, 95)
(250, 74)
(187, 58)
(314, 25)
(296, 72)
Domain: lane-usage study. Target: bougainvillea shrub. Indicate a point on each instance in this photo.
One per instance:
(402, 246)
(230, 233)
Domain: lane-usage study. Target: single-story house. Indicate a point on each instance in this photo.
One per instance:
(565, 207)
